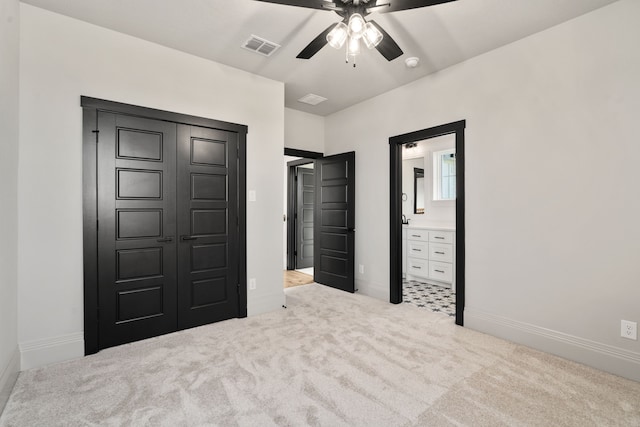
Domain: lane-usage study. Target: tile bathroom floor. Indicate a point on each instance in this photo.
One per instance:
(431, 297)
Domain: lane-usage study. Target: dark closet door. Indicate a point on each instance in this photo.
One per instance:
(304, 216)
(335, 221)
(136, 228)
(207, 226)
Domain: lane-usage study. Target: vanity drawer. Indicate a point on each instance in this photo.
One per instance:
(418, 249)
(413, 234)
(418, 267)
(441, 236)
(441, 271)
(440, 252)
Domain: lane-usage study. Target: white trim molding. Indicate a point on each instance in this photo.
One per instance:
(265, 304)
(8, 378)
(601, 356)
(373, 289)
(37, 353)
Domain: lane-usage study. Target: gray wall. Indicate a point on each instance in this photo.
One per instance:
(60, 60)
(9, 79)
(553, 237)
(303, 131)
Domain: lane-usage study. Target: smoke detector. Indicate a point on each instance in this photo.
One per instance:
(412, 62)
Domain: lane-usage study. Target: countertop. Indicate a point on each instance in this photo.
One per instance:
(440, 227)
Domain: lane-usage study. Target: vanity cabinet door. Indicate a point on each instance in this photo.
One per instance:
(413, 234)
(441, 252)
(441, 237)
(418, 267)
(441, 271)
(418, 249)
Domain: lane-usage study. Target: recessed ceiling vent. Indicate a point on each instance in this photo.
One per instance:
(312, 99)
(260, 45)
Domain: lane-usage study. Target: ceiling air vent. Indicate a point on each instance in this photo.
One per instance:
(260, 45)
(312, 99)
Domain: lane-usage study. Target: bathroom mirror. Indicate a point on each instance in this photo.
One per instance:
(418, 190)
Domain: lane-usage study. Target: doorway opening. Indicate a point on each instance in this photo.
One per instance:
(428, 230)
(333, 217)
(428, 238)
(299, 216)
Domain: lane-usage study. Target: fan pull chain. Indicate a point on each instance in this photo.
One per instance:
(346, 59)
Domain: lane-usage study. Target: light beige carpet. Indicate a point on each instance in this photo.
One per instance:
(330, 359)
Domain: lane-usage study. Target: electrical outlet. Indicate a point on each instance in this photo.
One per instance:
(252, 284)
(361, 268)
(628, 329)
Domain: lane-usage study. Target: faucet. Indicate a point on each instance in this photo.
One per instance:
(404, 219)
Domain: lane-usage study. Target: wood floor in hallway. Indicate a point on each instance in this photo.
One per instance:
(295, 278)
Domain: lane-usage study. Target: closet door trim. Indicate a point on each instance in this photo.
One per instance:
(90, 136)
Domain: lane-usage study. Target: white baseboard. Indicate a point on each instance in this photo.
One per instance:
(615, 360)
(373, 290)
(8, 378)
(43, 352)
(265, 304)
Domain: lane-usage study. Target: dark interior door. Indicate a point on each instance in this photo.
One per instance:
(136, 228)
(304, 216)
(335, 221)
(207, 225)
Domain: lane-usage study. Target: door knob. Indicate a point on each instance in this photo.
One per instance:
(188, 238)
(165, 239)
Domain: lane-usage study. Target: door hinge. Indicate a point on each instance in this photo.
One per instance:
(96, 132)
(295, 253)
(97, 313)
(97, 224)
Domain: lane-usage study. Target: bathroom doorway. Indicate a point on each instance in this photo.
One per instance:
(429, 237)
(429, 224)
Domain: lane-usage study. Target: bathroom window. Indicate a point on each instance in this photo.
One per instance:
(444, 175)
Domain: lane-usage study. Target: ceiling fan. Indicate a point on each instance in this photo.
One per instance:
(354, 28)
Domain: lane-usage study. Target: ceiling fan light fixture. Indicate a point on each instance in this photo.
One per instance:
(356, 25)
(337, 36)
(353, 47)
(372, 36)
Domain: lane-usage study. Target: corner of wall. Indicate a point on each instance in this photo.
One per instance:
(8, 378)
(37, 353)
(265, 304)
(372, 289)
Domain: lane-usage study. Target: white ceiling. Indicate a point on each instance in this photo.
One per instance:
(440, 36)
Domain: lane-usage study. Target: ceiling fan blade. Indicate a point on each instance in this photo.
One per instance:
(316, 44)
(309, 4)
(387, 47)
(396, 5)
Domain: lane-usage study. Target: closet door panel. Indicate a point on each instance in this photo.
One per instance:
(207, 225)
(136, 228)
